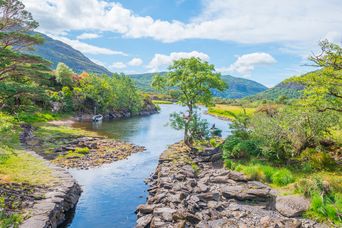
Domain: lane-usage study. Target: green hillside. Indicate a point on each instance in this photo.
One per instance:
(283, 89)
(238, 87)
(56, 51)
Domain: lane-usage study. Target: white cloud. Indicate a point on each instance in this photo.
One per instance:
(87, 48)
(248, 21)
(118, 65)
(135, 62)
(160, 60)
(245, 64)
(85, 36)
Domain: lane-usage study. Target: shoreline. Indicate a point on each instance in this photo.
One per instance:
(192, 189)
(57, 200)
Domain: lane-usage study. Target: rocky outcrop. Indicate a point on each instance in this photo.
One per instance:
(59, 198)
(190, 189)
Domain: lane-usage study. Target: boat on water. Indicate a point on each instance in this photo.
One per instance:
(97, 118)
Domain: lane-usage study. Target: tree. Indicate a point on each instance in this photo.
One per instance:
(64, 75)
(194, 79)
(21, 73)
(15, 27)
(323, 88)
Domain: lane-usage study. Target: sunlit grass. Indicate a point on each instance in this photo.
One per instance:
(227, 110)
(161, 102)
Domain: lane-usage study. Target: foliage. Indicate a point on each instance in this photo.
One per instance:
(198, 128)
(288, 133)
(21, 75)
(194, 80)
(64, 75)
(323, 88)
(111, 93)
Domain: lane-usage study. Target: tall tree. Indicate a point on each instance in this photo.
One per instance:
(194, 80)
(16, 67)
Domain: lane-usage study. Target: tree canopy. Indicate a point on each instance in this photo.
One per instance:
(194, 80)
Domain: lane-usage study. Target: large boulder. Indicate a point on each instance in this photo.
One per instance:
(292, 206)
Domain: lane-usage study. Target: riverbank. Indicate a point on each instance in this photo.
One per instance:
(69, 147)
(194, 189)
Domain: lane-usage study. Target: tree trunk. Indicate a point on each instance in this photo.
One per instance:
(187, 137)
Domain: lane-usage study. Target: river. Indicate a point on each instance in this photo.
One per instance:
(112, 192)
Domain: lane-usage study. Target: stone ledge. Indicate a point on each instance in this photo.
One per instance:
(62, 197)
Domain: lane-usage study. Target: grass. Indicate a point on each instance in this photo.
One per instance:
(226, 111)
(15, 164)
(161, 102)
(324, 188)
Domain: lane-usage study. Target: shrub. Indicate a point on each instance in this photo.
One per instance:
(282, 177)
(235, 147)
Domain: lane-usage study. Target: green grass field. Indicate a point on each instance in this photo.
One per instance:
(226, 111)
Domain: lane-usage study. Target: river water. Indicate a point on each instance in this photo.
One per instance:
(112, 192)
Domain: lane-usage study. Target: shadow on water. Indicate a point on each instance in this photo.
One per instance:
(112, 192)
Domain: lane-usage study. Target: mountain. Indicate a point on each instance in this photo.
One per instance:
(284, 89)
(56, 51)
(238, 87)
(287, 88)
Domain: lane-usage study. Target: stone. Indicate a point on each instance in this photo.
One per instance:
(209, 196)
(145, 209)
(144, 221)
(165, 213)
(236, 176)
(292, 206)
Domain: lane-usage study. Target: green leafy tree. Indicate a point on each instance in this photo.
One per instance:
(194, 79)
(22, 76)
(64, 75)
(323, 88)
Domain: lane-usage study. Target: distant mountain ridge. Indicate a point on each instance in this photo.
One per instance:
(238, 87)
(56, 51)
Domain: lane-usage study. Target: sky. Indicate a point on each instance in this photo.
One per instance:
(266, 41)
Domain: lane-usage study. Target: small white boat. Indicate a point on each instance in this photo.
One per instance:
(97, 118)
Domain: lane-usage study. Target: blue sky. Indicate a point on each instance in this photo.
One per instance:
(266, 41)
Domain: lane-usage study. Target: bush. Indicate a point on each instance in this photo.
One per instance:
(282, 177)
(235, 147)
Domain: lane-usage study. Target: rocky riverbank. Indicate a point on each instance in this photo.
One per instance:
(50, 204)
(192, 189)
(77, 151)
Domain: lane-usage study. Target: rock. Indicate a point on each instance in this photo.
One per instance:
(145, 209)
(292, 206)
(236, 176)
(165, 213)
(193, 219)
(241, 192)
(144, 221)
(209, 196)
